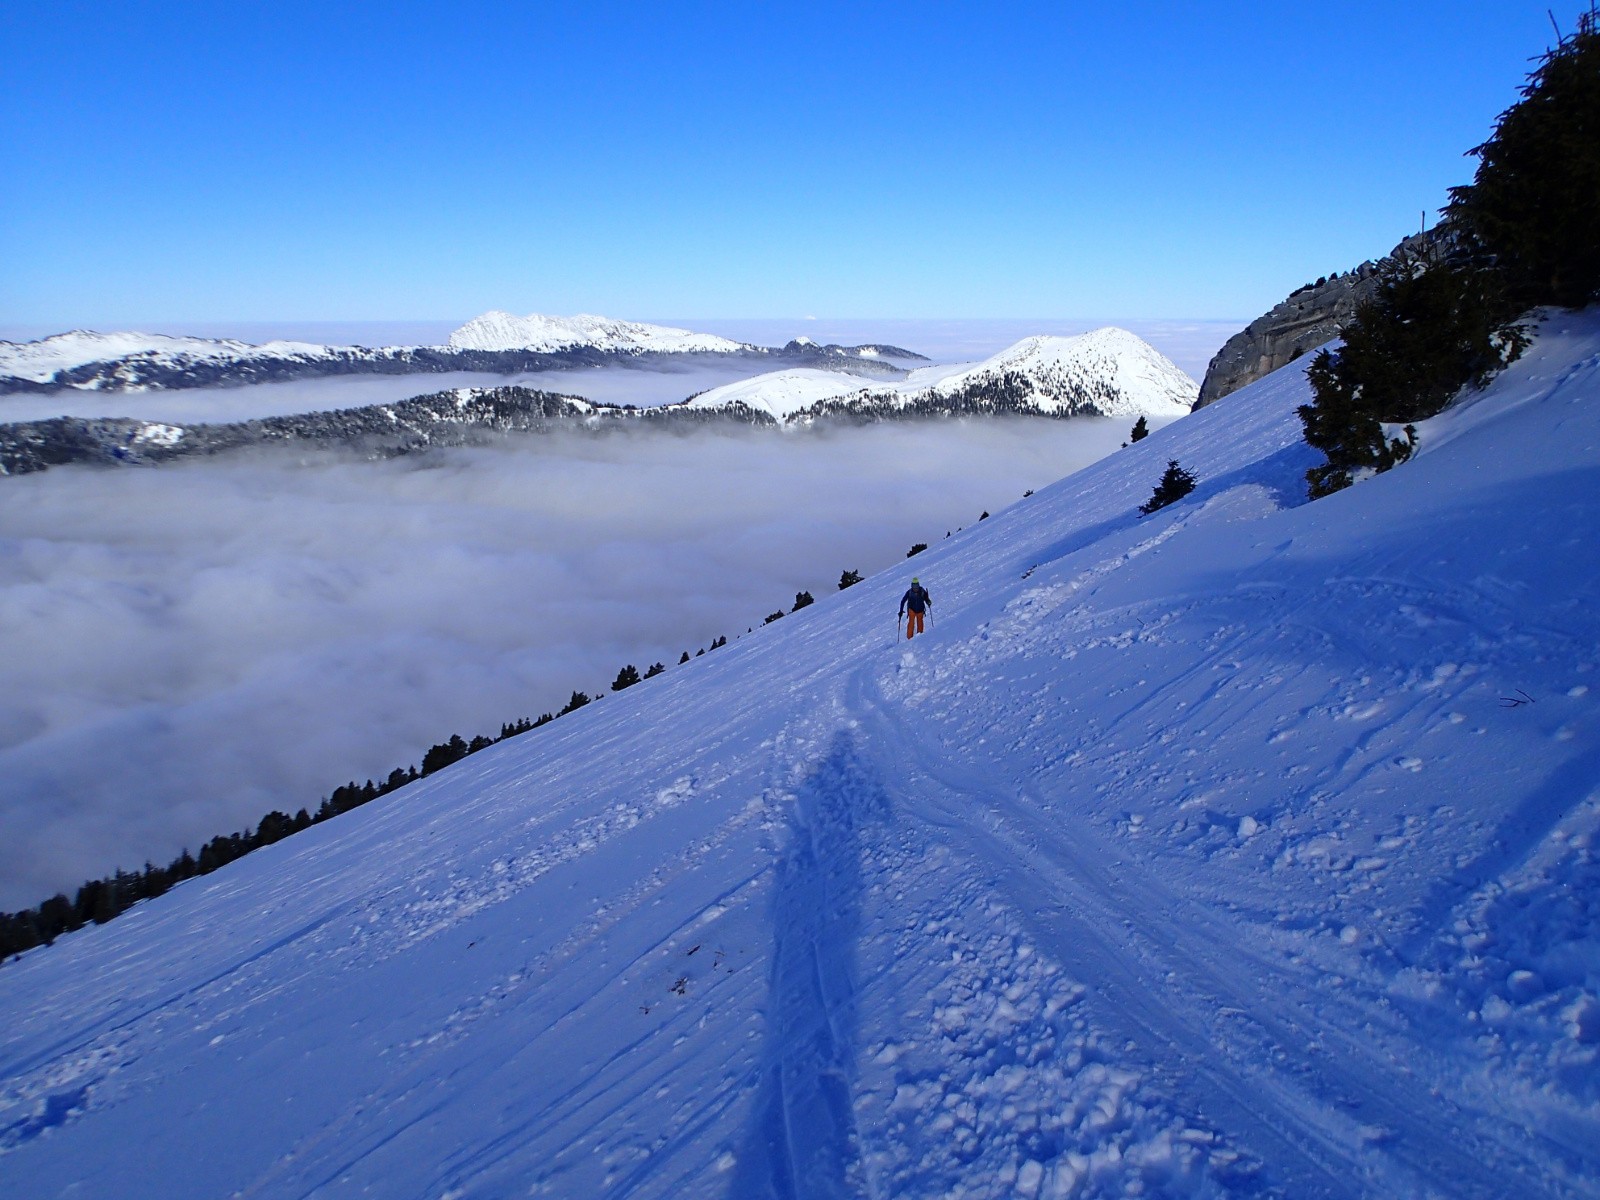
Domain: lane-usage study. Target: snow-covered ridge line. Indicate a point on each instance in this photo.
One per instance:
(502, 331)
(1106, 372)
(496, 343)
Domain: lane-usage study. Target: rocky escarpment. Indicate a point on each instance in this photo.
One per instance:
(1312, 316)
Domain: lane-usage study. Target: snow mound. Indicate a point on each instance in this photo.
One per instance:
(502, 331)
(1246, 849)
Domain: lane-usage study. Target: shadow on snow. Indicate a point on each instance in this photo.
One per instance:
(802, 1136)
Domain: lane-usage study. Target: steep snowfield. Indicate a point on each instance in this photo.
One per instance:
(1192, 855)
(502, 331)
(39, 361)
(1127, 376)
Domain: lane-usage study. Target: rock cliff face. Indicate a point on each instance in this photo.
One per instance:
(1310, 317)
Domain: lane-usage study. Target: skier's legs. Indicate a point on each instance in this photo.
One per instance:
(913, 623)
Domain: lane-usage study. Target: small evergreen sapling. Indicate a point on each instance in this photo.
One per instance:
(1140, 431)
(1176, 483)
(849, 579)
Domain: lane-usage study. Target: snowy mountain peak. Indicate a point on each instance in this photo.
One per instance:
(1139, 378)
(499, 330)
(1109, 372)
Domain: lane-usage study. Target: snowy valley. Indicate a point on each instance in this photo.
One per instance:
(1243, 849)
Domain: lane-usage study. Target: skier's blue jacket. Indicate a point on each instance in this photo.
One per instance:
(916, 599)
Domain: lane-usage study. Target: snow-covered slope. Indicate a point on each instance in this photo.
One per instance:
(1142, 380)
(496, 342)
(39, 361)
(1244, 849)
(782, 394)
(1109, 371)
(502, 331)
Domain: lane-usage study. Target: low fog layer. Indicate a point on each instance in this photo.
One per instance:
(191, 646)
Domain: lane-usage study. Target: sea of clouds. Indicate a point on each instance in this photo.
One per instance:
(190, 646)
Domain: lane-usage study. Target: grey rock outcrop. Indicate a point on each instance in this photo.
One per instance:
(1311, 316)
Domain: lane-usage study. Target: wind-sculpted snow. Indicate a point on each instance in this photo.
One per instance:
(1245, 849)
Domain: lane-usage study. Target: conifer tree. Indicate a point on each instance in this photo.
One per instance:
(1520, 235)
(1176, 483)
(849, 579)
(626, 678)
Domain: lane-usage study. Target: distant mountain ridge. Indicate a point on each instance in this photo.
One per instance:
(494, 343)
(1109, 372)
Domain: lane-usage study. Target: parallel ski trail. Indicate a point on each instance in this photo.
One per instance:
(1314, 1106)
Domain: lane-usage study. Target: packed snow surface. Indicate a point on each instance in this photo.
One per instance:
(1245, 849)
(502, 331)
(1127, 376)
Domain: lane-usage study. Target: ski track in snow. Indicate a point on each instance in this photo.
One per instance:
(1201, 855)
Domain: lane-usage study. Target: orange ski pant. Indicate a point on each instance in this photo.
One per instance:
(913, 623)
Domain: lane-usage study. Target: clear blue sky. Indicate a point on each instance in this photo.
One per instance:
(207, 161)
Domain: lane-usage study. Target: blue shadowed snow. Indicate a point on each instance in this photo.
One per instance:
(1201, 854)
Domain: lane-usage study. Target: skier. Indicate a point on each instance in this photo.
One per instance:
(913, 604)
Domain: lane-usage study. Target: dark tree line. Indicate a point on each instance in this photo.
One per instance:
(1521, 235)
